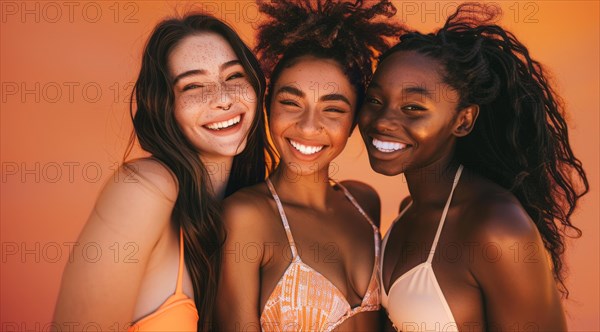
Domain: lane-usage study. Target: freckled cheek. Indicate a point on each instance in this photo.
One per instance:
(338, 126)
(192, 100)
(189, 109)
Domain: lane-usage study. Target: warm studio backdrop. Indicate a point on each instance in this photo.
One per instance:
(66, 71)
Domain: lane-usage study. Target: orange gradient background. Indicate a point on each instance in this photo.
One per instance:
(66, 70)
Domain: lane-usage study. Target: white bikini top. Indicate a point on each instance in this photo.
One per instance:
(415, 301)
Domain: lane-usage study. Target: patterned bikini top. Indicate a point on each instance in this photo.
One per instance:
(304, 299)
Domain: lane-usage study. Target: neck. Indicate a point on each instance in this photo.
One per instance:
(218, 169)
(302, 189)
(432, 184)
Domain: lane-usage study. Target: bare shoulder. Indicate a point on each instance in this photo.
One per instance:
(153, 173)
(508, 260)
(506, 240)
(141, 194)
(499, 218)
(366, 196)
(245, 211)
(133, 211)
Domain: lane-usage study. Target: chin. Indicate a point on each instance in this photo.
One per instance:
(239, 150)
(387, 170)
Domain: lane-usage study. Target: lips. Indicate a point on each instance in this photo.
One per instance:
(387, 146)
(220, 125)
(306, 149)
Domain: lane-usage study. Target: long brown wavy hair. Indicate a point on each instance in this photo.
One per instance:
(196, 210)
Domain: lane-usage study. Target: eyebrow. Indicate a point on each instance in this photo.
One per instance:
(188, 73)
(291, 90)
(229, 64)
(299, 93)
(409, 90)
(374, 85)
(203, 72)
(418, 90)
(334, 97)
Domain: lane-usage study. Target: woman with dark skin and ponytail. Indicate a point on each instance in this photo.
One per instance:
(302, 251)
(197, 109)
(473, 123)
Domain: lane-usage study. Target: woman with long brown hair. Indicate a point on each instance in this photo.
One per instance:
(197, 110)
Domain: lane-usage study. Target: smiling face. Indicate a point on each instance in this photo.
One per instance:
(409, 119)
(311, 113)
(215, 103)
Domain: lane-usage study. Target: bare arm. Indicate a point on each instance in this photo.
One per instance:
(515, 275)
(239, 285)
(100, 284)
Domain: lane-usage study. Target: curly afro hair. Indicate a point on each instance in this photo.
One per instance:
(353, 34)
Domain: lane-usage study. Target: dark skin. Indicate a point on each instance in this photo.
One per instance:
(331, 235)
(490, 261)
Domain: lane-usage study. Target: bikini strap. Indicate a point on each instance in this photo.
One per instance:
(284, 220)
(443, 219)
(385, 240)
(356, 205)
(401, 213)
(179, 287)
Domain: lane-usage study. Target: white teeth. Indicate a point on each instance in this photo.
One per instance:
(224, 124)
(305, 149)
(384, 146)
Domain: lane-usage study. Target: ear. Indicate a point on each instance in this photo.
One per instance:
(465, 121)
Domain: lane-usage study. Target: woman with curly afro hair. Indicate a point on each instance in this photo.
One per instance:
(302, 251)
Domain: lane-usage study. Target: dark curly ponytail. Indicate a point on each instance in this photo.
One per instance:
(520, 140)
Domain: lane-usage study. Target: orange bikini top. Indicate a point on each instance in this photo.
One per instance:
(177, 313)
(304, 299)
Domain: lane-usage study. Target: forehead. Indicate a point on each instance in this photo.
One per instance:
(407, 68)
(205, 50)
(321, 76)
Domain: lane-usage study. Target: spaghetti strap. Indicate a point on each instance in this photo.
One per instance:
(178, 312)
(443, 218)
(355, 203)
(179, 287)
(303, 298)
(401, 213)
(284, 220)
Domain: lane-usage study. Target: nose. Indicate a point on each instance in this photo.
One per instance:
(309, 123)
(223, 97)
(385, 121)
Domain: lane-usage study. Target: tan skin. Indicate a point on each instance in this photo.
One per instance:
(331, 235)
(135, 207)
(490, 261)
